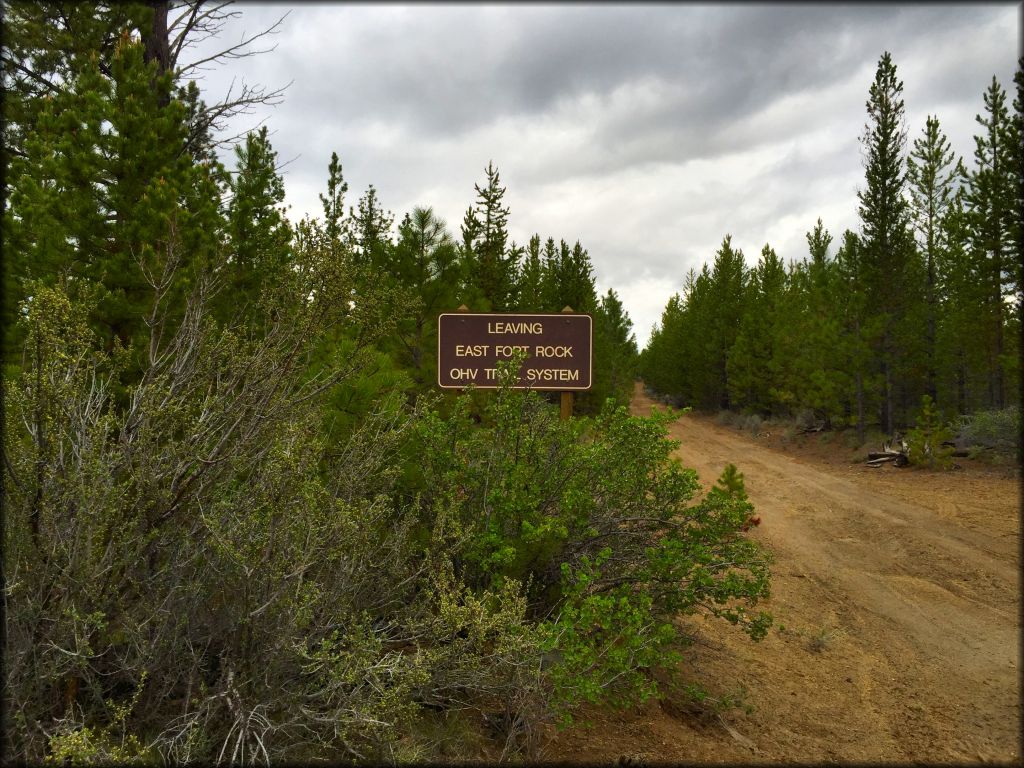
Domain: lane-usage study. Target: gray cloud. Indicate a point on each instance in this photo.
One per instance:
(646, 132)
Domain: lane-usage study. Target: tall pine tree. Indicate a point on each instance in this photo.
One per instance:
(991, 203)
(886, 244)
(260, 235)
(932, 173)
(425, 263)
(490, 269)
(106, 195)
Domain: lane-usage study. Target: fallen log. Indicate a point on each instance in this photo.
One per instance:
(887, 446)
(884, 455)
(895, 450)
(898, 459)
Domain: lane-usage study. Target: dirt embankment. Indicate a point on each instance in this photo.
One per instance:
(896, 596)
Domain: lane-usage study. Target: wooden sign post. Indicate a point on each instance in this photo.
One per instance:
(558, 349)
(565, 407)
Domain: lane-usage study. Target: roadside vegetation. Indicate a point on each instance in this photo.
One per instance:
(240, 524)
(990, 437)
(913, 322)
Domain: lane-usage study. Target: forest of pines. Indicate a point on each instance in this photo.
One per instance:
(923, 301)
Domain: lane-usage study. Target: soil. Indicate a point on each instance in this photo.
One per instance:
(896, 597)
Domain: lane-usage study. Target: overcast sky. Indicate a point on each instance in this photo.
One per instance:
(646, 132)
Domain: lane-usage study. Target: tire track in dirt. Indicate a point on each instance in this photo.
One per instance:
(901, 637)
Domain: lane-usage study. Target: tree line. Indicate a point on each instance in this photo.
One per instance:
(923, 301)
(238, 524)
(482, 270)
(91, 190)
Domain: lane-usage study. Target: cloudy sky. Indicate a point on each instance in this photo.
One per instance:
(646, 132)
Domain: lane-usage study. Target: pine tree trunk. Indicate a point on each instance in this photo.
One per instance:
(157, 44)
(860, 388)
(905, 404)
(933, 390)
(860, 407)
(887, 404)
(35, 514)
(886, 415)
(961, 384)
(998, 389)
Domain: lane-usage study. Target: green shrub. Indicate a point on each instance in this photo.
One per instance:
(730, 485)
(752, 423)
(86, 746)
(75, 744)
(289, 595)
(597, 519)
(280, 600)
(997, 430)
(925, 440)
(726, 418)
(805, 418)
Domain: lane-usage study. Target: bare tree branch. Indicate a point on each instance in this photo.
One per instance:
(236, 51)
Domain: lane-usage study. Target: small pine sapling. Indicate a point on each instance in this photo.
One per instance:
(926, 440)
(730, 485)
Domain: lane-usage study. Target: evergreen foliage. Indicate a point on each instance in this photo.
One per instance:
(990, 203)
(615, 352)
(924, 300)
(424, 261)
(932, 176)
(258, 231)
(595, 519)
(103, 190)
(490, 266)
(887, 252)
(334, 201)
(926, 440)
(231, 531)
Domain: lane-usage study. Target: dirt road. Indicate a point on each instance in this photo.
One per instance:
(896, 598)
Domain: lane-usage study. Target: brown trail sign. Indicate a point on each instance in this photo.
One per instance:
(558, 349)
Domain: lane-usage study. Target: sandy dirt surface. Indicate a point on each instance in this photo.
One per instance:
(896, 597)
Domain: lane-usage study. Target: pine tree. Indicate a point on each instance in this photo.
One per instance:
(531, 279)
(46, 48)
(961, 298)
(661, 363)
(551, 258)
(105, 195)
(334, 201)
(932, 176)
(698, 344)
(570, 279)
(728, 283)
(615, 353)
(425, 263)
(490, 268)
(815, 330)
(886, 247)
(260, 235)
(47, 45)
(991, 203)
(856, 328)
(1017, 146)
(752, 366)
(371, 228)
